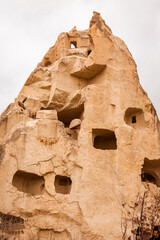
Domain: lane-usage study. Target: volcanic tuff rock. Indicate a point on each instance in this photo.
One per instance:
(80, 146)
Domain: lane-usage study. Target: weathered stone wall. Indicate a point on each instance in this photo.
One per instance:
(79, 147)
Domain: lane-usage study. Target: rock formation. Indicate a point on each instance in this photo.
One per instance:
(80, 146)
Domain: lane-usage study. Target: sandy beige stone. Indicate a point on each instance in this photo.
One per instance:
(47, 114)
(80, 146)
(75, 123)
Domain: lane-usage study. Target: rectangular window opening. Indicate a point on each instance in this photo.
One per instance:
(62, 184)
(104, 139)
(134, 119)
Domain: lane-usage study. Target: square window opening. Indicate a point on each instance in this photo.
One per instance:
(104, 139)
(73, 44)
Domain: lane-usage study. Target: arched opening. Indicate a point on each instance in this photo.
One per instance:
(28, 182)
(151, 171)
(134, 117)
(147, 177)
(62, 184)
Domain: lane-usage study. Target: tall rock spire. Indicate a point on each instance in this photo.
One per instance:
(79, 147)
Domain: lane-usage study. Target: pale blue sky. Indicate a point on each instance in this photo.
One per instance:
(29, 27)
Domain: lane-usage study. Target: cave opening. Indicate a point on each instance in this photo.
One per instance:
(73, 44)
(62, 184)
(28, 182)
(104, 139)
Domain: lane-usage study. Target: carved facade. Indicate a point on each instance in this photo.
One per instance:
(79, 147)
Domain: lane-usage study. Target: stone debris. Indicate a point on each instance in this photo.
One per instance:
(75, 123)
(80, 146)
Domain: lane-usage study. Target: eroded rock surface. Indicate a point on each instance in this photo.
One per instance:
(80, 146)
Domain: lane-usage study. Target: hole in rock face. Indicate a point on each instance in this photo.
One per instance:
(47, 63)
(66, 116)
(151, 171)
(89, 52)
(28, 182)
(146, 177)
(62, 184)
(73, 44)
(135, 117)
(104, 139)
